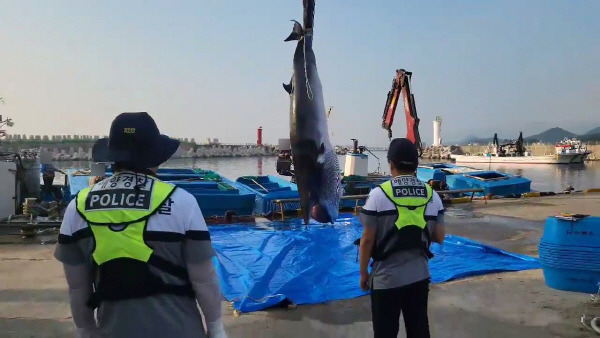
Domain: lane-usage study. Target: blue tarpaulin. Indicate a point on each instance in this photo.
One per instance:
(259, 267)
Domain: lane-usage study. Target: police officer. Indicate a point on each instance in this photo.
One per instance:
(136, 249)
(401, 218)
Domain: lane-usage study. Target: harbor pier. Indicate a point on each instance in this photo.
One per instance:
(34, 298)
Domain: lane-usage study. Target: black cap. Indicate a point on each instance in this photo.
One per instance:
(135, 140)
(404, 154)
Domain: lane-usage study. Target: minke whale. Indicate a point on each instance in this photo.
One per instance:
(316, 165)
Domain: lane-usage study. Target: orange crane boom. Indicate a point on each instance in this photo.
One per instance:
(401, 84)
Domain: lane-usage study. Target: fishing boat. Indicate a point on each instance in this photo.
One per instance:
(461, 177)
(216, 195)
(76, 180)
(268, 189)
(359, 185)
(566, 152)
(271, 188)
(558, 158)
(492, 182)
(574, 147)
(356, 178)
(439, 171)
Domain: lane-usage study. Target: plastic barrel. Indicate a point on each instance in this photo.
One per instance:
(571, 279)
(584, 232)
(569, 253)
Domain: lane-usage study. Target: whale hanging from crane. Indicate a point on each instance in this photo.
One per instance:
(316, 165)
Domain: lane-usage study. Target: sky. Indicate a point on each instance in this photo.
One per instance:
(215, 68)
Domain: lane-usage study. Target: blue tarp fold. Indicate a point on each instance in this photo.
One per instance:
(259, 267)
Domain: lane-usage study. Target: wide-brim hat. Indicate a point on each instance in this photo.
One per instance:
(135, 141)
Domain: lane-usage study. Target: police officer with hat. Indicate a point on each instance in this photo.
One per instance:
(137, 250)
(401, 218)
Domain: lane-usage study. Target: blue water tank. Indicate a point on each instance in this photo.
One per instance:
(569, 254)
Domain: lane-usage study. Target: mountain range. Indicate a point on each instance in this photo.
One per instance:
(593, 131)
(551, 135)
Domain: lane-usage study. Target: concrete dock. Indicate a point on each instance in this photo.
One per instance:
(34, 299)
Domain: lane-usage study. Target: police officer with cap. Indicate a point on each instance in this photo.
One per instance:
(401, 218)
(137, 250)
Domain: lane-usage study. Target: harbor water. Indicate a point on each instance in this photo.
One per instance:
(545, 177)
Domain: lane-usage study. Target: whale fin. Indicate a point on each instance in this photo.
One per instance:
(297, 32)
(288, 87)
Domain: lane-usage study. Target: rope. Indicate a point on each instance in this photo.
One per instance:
(260, 185)
(308, 89)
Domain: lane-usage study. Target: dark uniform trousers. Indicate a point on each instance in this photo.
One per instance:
(410, 301)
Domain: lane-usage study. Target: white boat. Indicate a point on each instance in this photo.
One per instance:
(567, 151)
(544, 159)
(572, 147)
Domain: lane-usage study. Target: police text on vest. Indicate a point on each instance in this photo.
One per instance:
(118, 199)
(410, 191)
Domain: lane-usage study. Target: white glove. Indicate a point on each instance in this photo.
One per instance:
(216, 329)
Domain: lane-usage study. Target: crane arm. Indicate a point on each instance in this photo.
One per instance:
(401, 84)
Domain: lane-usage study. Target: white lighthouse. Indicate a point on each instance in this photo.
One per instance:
(437, 131)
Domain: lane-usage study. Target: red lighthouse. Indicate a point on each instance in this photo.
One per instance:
(259, 136)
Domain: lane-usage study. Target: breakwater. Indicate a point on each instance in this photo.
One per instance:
(440, 152)
(80, 148)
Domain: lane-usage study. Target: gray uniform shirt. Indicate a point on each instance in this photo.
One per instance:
(403, 267)
(181, 236)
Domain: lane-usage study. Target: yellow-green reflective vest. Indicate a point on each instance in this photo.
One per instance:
(411, 202)
(117, 216)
